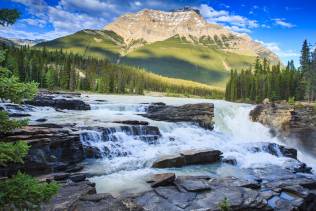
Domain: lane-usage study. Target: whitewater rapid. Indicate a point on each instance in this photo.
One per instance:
(128, 164)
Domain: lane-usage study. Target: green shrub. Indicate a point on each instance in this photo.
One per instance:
(6, 124)
(224, 205)
(13, 152)
(25, 192)
(291, 101)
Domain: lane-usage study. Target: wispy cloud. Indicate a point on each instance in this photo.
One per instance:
(282, 22)
(235, 22)
(275, 47)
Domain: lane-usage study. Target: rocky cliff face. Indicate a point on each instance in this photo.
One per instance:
(296, 122)
(153, 25)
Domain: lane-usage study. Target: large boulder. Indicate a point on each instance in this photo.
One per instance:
(190, 157)
(43, 99)
(274, 149)
(201, 113)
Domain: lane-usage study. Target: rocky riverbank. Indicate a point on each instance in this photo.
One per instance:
(269, 189)
(296, 122)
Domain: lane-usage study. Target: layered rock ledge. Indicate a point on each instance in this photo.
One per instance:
(294, 122)
(200, 113)
(59, 101)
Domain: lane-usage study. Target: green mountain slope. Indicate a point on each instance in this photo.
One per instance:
(177, 57)
(96, 43)
(202, 61)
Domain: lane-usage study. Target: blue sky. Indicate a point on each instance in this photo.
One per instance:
(281, 25)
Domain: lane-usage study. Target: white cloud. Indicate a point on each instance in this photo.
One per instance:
(235, 22)
(138, 3)
(238, 29)
(34, 22)
(89, 6)
(276, 49)
(63, 20)
(282, 22)
(12, 32)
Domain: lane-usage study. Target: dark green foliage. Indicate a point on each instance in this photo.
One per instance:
(25, 193)
(7, 124)
(13, 152)
(58, 70)
(10, 87)
(8, 16)
(224, 205)
(265, 81)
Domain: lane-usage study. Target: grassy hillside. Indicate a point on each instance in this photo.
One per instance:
(179, 58)
(202, 61)
(99, 44)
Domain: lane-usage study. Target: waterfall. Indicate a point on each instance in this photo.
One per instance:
(118, 141)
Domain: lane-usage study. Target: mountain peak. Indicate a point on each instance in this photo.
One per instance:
(186, 9)
(155, 25)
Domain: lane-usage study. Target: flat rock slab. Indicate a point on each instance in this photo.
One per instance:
(190, 157)
(162, 179)
(68, 195)
(200, 113)
(192, 185)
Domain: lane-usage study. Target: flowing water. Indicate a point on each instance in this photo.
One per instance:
(127, 157)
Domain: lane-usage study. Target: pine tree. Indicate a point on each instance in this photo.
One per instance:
(313, 76)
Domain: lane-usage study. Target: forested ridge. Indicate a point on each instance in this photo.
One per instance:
(274, 81)
(59, 70)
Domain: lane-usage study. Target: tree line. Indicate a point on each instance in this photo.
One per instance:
(275, 82)
(20, 191)
(55, 69)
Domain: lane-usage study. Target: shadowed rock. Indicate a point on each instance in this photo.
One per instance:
(43, 99)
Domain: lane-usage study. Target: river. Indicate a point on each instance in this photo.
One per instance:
(128, 160)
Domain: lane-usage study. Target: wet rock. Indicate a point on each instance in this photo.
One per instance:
(95, 197)
(274, 149)
(179, 199)
(132, 122)
(201, 113)
(41, 120)
(192, 185)
(162, 179)
(61, 176)
(92, 152)
(68, 195)
(57, 102)
(235, 182)
(165, 198)
(230, 160)
(19, 115)
(189, 157)
(302, 168)
(239, 198)
(52, 149)
(74, 168)
(77, 177)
